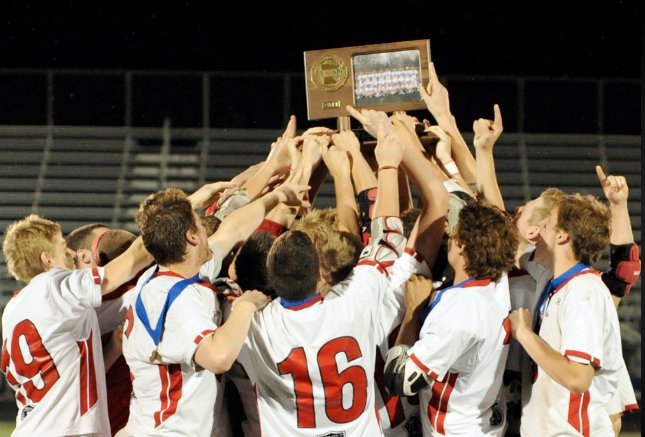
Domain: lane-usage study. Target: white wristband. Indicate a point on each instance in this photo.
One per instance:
(451, 167)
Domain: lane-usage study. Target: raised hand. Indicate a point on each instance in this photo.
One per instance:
(487, 132)
(615, 187)
(311, 145)
(405, 127)
(347, 141)
(389, 148)
(443, 149)
(435, 95)
(291, 194)
(208, 193)
(336, 160)
(370, 119)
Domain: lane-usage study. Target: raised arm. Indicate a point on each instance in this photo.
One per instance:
(362, 174)
(208, 193)
(123, 268)
(625, 263)
(218, 352)
(243, 221)
(428, 179)
(487, 133)
(438, 103)
(337, 161)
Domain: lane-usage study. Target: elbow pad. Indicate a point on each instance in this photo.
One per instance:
(402, 376)
(625, 269)
(387, 241)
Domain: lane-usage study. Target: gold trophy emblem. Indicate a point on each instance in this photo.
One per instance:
(329, 73)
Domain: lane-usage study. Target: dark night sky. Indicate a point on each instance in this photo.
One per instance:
(500, 39)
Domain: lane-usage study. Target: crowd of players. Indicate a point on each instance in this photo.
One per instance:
(265, 316)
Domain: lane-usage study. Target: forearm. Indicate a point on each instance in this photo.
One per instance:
(362, 173)
(256, 183)
(387, 199)
(460, 152)
(125, 266)
(315, 181)
(409, 329)
(621, 225)
(573, 376)
(487, 179)
(346, 204)
(218, 352)
(243, 221)
(405, 195)
(283, 215)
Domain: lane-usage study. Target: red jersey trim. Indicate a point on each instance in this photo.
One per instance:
(477, 283)
(201, 336)
(307, 304)
(414, 254)
(369, 262)
(578, 414)
(171, 384)
(88, 389)
(630, 408)
(423, 367)
(96, 276)
(583, 272)
(438, 405)
(585, 356)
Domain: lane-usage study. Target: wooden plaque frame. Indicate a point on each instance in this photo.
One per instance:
(384, 77)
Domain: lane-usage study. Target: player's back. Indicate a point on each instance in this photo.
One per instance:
(313, 363)
(52, 356)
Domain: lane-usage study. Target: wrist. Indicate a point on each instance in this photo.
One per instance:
(245, 306)
(523, 334)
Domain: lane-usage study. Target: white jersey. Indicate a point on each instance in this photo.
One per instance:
(462, 347)
(313, 364)
(624, 400)
(579, 321)
(52, 356)
(172, 395)
(399, 415)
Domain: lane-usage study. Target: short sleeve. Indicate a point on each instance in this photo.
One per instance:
(583, 321)
(188, 323)
(76, 288)
(441, 343)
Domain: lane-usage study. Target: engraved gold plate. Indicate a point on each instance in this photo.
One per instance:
(329, 73)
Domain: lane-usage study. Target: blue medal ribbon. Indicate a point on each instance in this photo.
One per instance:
(173, 294)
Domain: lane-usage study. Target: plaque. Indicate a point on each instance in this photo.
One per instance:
(384, 77)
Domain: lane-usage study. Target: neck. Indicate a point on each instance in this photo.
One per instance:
(460, 276)
(543, 255)
(521, 249)
(187, 268)
(562, 263)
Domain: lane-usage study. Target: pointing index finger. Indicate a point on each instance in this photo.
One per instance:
(601, 175)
